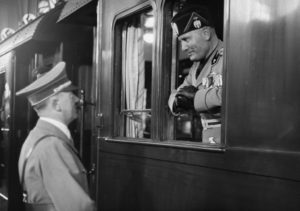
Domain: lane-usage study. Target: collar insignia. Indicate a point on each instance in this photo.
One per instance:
(217, 56)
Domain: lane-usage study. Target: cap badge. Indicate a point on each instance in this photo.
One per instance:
(193, 23)
(197, 24)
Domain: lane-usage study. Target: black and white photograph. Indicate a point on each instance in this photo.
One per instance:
(149, 105)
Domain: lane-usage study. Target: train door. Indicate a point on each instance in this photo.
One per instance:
(81, 71)
(79, 51)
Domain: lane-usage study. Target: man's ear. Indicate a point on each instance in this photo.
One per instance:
(206, 33)
(55, 103)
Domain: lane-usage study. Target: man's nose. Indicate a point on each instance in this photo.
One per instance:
(75, 98)
(184, 46)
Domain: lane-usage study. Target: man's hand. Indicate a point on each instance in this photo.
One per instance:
(184, 99)
(188, 92)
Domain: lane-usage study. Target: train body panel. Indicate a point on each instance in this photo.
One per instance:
(262, 105)
(255, 165)
(150, 184)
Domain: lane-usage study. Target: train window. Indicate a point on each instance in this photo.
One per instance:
(188, 124)
(134, 40)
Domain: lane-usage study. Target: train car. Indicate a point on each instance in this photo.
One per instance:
(150, 160)
(126, 58)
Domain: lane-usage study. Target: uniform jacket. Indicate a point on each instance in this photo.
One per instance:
(54, 173)
(209, 94)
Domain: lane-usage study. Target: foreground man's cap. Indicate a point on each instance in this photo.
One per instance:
(47, 85)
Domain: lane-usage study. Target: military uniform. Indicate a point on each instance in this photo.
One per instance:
(208, 98)
(50, 170)
(54, 175)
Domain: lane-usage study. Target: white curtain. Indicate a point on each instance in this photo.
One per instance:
(133, 79)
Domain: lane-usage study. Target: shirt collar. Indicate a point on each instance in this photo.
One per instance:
(59, 125)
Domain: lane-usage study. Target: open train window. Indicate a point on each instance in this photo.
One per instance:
(202, 127)
(134, 40)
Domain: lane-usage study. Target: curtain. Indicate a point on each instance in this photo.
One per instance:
(133, 79)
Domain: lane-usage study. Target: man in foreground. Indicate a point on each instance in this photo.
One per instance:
(51, 173)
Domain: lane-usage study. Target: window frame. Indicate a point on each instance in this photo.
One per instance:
(117, 64)
(162, 123)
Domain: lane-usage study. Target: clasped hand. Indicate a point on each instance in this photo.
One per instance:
(184, 99)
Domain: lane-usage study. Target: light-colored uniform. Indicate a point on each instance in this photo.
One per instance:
(54, 175)
(209, 94)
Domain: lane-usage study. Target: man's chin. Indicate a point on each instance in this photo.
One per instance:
(192, 58)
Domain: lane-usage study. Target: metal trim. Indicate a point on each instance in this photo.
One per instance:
(3, 196)
(72, 6)
(171, 144)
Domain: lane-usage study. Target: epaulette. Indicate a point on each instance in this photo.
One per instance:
(217, 56)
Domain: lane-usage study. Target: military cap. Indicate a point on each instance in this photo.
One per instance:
(47, 85)
(190, 18)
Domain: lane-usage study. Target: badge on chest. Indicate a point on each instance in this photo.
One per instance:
(212, 80)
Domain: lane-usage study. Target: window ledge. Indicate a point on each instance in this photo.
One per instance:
(173, 144)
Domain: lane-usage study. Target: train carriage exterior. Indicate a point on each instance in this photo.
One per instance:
(139, 155)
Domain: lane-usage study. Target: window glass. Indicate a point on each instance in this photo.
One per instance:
(191, 124)
(136, 40)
